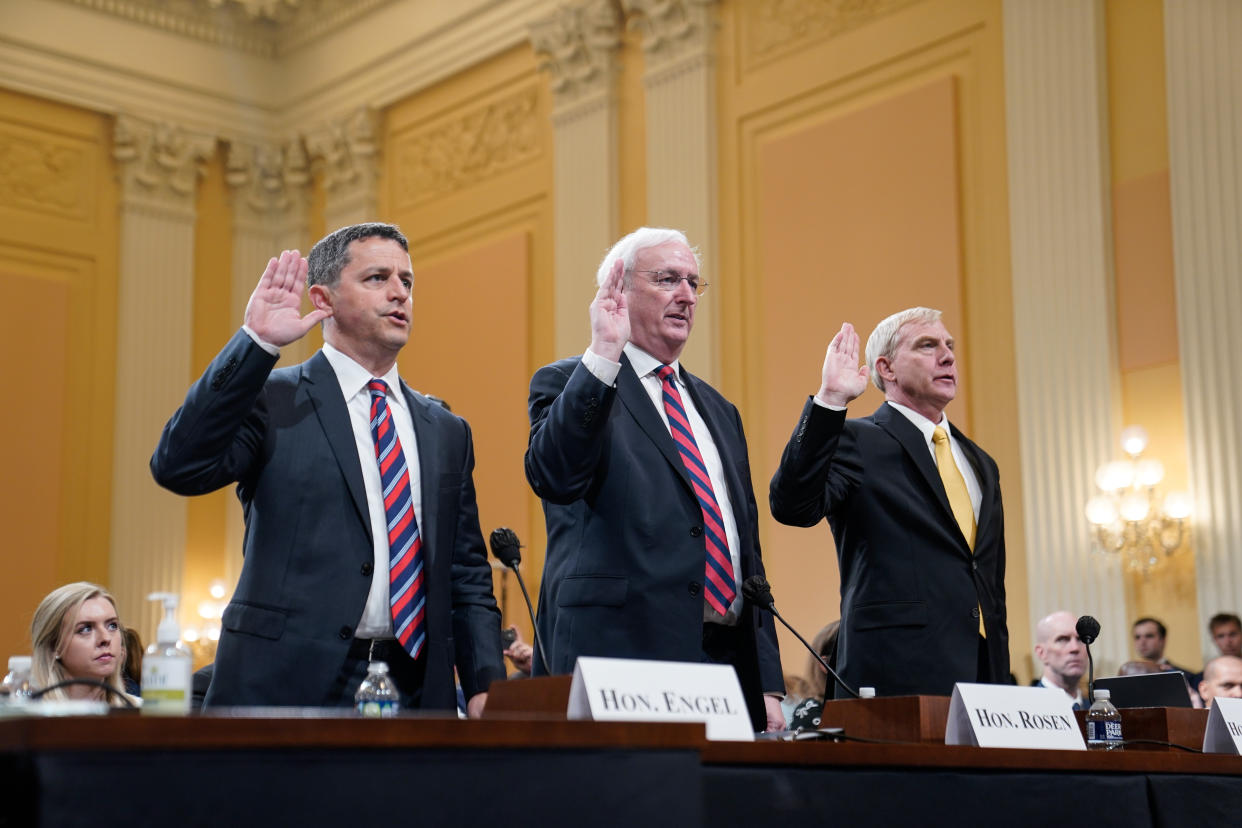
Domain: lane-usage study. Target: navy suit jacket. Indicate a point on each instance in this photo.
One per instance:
(911, 588)
(623, 575)
(285, 438)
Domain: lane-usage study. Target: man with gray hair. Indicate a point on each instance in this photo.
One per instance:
(645, 480)
(914, 508)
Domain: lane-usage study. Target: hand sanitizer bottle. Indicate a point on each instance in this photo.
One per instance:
(167, 666)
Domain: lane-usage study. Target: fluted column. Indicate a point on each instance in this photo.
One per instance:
(1064, 319)
(1203, 56)
(347, 152)
(159, 166)
(576, 47)
(680, 85)
(269, 189)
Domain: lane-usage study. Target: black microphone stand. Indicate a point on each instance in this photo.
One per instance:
(505, 546)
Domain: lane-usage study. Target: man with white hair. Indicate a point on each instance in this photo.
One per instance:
(646, 487)
(915, 510)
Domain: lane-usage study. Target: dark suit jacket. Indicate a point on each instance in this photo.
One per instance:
(910, 587)
(623, 576)
(284, 437)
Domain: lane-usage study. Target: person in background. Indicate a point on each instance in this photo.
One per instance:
(808, 713)
(1064, 656)
(76, 635)
(1149, 640)
(1226, 630)
(131, 671)
(1222, 678)
(520, 653)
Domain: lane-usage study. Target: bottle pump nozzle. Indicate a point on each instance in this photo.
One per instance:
(169, 630)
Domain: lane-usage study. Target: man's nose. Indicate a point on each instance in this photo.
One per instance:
(685, 293)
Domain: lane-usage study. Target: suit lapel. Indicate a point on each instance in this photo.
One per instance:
(912, 442)
(987, 487)
(324, 391)
(428, 468)
(632, 394)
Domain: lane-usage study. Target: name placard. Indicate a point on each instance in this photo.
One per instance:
(1224, 727)
(998, 715)
(637, 690)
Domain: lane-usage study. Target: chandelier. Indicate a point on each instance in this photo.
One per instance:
(1129, 516)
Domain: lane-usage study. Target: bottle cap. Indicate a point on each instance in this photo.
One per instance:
(380, 667)
(1101, 693)
(19, 663)
(866, 692)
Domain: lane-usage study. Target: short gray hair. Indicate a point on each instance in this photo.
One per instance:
(628, 248)
(331, 253)
(886, 337)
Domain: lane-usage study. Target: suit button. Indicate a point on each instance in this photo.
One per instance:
(974, 566)
(696, 531)
(694, 587)
(346, 633)
(974, 612)
(367, 568)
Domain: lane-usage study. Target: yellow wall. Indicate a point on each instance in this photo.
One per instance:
(468, 176)
(58, 260)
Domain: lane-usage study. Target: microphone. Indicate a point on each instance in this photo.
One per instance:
(507, 549)
(758, 591)
(1088, 629)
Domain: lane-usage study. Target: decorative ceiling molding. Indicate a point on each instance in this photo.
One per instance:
(775, 27)
(265, 28)
(577, 48)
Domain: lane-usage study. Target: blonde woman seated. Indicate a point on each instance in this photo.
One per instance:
(76, 635)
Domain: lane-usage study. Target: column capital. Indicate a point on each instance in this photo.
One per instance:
(266, 180)
(576, 46)
(347, 152)
(672, 30)
(159, 163)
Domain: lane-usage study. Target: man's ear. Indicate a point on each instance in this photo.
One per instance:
(320, 297)
(884, 369)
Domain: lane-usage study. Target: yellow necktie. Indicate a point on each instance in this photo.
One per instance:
(959, 496)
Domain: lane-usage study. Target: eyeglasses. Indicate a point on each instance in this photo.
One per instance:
(670, 279)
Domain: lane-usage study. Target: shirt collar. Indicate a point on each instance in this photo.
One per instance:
(922, 423)
(354, 378)
(644, 363)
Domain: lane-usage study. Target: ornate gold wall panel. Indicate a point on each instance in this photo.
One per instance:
(58, 273)
(908, 97)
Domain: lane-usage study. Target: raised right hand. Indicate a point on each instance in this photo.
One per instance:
(274, 311)
(843, 379)
(610, 318)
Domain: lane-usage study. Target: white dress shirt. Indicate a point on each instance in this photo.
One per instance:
(645, 366)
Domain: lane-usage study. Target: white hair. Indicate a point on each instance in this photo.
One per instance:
(628, 248)
(886, 337)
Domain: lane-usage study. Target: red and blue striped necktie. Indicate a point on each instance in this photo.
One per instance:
(720, 587)
(406, 595)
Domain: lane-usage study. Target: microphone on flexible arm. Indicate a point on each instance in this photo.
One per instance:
(507, 549)
(758, 591)
(1088, 629)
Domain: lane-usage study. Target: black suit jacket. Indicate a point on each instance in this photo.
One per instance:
(910, 586)
(285, 438)
(623, 576)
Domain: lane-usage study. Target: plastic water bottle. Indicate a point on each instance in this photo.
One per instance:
(1103, 724)
(377, 696)
(16, 687)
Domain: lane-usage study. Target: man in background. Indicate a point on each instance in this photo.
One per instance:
(1064, 656)
(1149, 641)
(1222, 677)
(1226, 630)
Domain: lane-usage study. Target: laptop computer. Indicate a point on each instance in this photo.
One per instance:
(1148, 690)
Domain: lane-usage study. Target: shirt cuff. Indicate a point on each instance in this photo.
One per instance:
(267, 346)
(816, 400)
(602, 368)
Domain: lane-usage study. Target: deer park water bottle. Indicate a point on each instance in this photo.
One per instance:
(377, 696)
(1103, 724)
